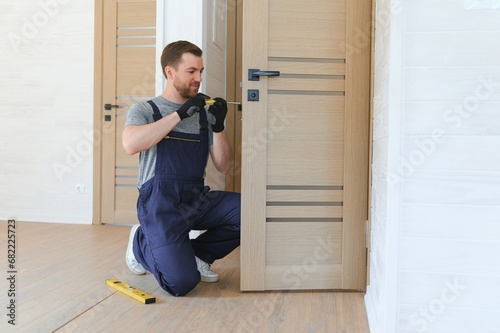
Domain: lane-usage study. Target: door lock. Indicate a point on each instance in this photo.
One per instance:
(253, 95)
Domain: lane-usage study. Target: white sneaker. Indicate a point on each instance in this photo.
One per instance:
(207, 275)
(132, 263)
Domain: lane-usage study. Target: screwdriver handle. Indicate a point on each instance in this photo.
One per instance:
(211, 101)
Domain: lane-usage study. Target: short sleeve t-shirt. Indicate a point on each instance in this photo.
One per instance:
(141, 113)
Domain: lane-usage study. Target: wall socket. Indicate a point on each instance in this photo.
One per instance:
(80, 188)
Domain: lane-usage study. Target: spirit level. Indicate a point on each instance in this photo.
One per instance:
(127, 289)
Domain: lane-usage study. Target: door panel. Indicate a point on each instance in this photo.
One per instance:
(307, 29)
(304, 162)
(128, 76)
(286, 266)
(316, 124)
(304, 185)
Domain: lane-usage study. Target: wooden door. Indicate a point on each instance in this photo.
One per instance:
(128, 75)
(305, 144)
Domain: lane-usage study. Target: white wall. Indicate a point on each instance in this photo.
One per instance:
(381, 297)
(46, 99)
(446, 208)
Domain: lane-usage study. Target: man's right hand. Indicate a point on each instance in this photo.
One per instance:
(192, 105)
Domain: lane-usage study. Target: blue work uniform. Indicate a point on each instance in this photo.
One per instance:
(174, 202)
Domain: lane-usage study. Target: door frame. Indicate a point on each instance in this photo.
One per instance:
(98, 102)
(233, 89)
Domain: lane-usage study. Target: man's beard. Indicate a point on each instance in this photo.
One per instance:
(185, 90)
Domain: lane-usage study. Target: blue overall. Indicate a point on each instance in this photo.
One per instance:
(176, 201)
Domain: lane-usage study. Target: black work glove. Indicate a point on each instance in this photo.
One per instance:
(217, 114)
(192, 105)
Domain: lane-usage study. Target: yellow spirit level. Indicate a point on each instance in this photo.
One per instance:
(127, 289)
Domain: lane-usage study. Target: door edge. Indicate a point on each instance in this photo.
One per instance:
(98, 102)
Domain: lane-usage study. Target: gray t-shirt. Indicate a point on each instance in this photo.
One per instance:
(141, 113)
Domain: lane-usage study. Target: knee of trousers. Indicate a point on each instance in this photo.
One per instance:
(181, 285)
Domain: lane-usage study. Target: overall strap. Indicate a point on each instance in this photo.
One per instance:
(203, 121)
(156, 112)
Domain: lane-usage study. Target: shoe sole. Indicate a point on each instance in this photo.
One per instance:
(209, 279)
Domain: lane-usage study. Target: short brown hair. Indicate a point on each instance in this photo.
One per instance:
(172, 53)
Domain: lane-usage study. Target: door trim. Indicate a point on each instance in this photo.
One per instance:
(360, 112)
(98, 102)
(254, 234)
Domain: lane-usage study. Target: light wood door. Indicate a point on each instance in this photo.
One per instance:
(305, 145)
(128, 75)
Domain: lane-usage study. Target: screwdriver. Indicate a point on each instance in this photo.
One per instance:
(211, 101)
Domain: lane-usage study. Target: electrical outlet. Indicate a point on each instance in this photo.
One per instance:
(80, 188)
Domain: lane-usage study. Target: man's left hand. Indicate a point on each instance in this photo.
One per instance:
(217, 114)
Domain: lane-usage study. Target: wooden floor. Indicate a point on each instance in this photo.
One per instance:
(61, 288)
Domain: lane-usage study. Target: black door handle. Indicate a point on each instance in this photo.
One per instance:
(255, 74)
(108, 107)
